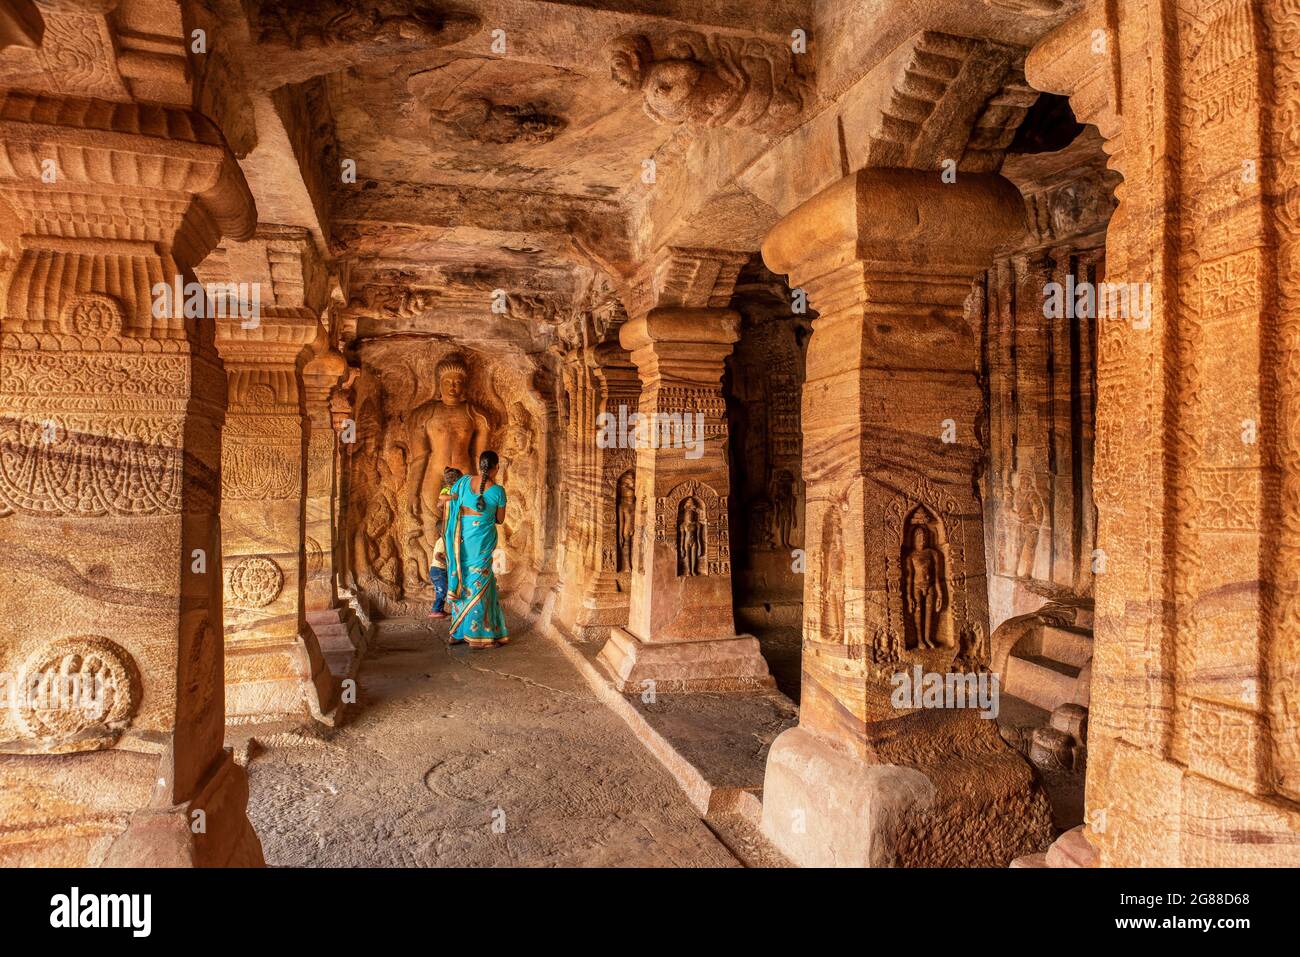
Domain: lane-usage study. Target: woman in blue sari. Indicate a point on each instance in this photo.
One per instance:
(477, 506)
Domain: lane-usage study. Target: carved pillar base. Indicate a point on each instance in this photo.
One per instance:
(104, 808)
(938, 789)
(342, 639)
(603, 606)
(272, 679)
(719, 664)
(165, 837)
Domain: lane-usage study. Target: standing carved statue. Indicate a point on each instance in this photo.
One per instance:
(447, 431)
(923, 586)
(517, 444)
(690, 539)
(784, 500)
(832, 574)
(624, 519)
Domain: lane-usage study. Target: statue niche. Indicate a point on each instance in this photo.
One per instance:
(784, 499)
(517, 474)
(924, 580)
(690, 537)
(624, 520)
(832, 574)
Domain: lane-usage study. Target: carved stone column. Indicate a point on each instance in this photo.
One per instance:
(109, 467)
(579, 435)
(343, 421)
(334, 623)
(1194, 724)
(613, 500)
(680, 634)
(891, 451)
(274, 665)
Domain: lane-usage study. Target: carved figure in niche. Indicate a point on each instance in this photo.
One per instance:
(624, 519)
(762, 538)
(389, 303)
(972, 651)
(304, 26)
(449, 432)
(710, 80)
(923, 586)
(482, 121)
(832, 574)
(517, 443)
(1029, 512)
(690, 538)
(785, 499)
(383, 560)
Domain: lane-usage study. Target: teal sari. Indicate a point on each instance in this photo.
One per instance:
(472, 598)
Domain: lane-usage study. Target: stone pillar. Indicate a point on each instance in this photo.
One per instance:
(343, 421)
(612, 499)
(891, 405)
(274, 665)
(681, 633)
(334, 623)
(1194, 724)
(579, 436)
(109, 468)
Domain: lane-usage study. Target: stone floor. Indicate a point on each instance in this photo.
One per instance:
(444, 739)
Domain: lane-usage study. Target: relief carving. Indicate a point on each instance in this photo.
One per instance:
(692, 519)
(77, 694)
(625, 519)
(712, 80)
(450, 430)
(924, 581)
(90, 466)
(479, 120)
(304, 24)
(690, 537)
(255, 582)
(93, 314)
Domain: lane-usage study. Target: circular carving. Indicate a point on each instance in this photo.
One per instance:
(315, 557)
(255, 582)
(77, 693)
(93, 315)
(258, 395)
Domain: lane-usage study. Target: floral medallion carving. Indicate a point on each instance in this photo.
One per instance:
(76, 694)
(255, 582)
(93, 314)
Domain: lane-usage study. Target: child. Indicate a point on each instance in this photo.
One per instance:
(438, 570)
(438, 574)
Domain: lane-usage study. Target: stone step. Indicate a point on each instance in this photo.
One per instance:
(1071, 645)
(1041, 681)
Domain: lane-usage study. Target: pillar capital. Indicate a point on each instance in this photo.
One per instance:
(680, 344)
(148, 180)
(891, 218)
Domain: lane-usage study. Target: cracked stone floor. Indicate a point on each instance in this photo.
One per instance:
(447, 740)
